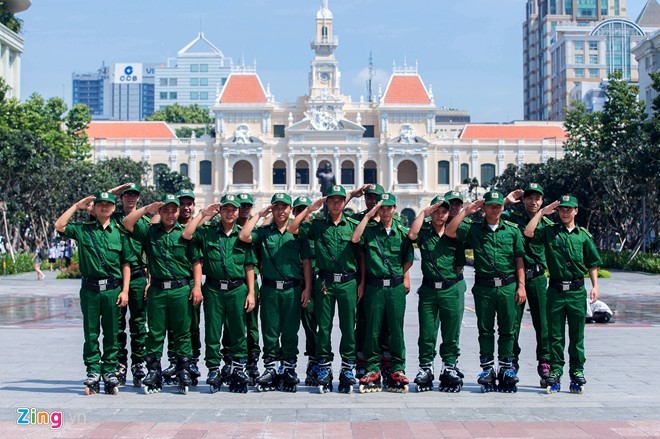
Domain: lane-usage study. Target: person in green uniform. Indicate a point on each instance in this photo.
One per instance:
(307, 315)
(456, 201)
(175, 287)
(439, 303)
(137, 303)
(228, 291)
(386, 255)
(105, 267)
(281, 292)
(337, 261)
(499, 285)
(570, 253)
(536, 283)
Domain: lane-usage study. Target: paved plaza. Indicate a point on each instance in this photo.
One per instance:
(41, 339)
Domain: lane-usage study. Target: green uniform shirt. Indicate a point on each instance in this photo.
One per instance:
(335, 253)
(396, 248)
(501, 247)
(532, 257)
(134, 245)
(225, 256)
(560, 245)
(169, 256)
(279, 253)
(439, 254)
(307, 246)
(110, 244)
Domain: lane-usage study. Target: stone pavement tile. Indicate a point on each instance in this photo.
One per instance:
(222, 430)
(480, 429)
(599, 429)
(650, 427)
(396, 430)
(337, 430)
(366, 430)
(190, 434)
(423, 429)
(136, 429)
(280, 429)
(630, 432)
(453, 429)
(308, 430)
(249, 430)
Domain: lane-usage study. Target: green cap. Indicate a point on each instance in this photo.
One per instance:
(171, 199)
(568, 201)
(246, 199)
(375, 189)
(105, 196)
(302, 201)
(494, 197)
(453, 195)
(134, 187)
(533, 187)
(186, 193)
(336, 190)
(231, 200)
(440, 199)
(387, 199)
(281, 197)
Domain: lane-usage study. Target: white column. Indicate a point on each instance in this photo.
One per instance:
(474, 157)
(456, 169)
(291, 173)
(393, 173)
(225, 175)
(424, 171)
(358, 171)
(260, 171)
(337, 168)
(192, 167)
(312, 174)
(500, 158)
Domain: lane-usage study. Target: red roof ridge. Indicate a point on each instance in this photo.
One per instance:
(111, 129)
(406, 89)
(243, 88)
(514, 131)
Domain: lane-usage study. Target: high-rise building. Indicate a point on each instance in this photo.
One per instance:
(647, 53)
(133, 87)
(11, 48)
(195, 76)
(93, 89)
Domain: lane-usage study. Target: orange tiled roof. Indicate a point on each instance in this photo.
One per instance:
(129, 130)
(513, 132)
(406, 89)
(243, 89)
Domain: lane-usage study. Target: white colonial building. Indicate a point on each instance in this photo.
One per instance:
(262, 146)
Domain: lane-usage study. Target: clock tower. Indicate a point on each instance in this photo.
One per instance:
(324, 76)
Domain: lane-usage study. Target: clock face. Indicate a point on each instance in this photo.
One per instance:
(325, 77)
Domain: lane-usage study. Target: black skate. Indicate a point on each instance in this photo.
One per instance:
(553, 384)
(120, 373)
(252, 368)
(225, 372)
(111, 383)
(137, 370)
(577, 383)
(269, 380)
(289, 381)
(238, 380)
(370, 383)
(194, 371)
(398, 382)
(92, 383)
(487, 377)
(169, 374)
(360, 367)
(425, 377)
(153, 382)
(385, 364)
(214, 380)
(346, 377)
(543, 370)
(324, 379)
(312, 372)
(183, 375)
(507, 378)
(450, 379)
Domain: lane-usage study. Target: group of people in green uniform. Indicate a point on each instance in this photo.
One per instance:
(291, 264)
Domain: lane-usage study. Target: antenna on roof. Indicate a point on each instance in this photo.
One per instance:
(371, 77)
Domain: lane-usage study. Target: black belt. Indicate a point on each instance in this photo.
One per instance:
(138, 273)
(169, 284)
(281, 284)
(494, 281)
(533, 273)
(567, 285)
(337, 278)
(387, 282)
(225, 284)
(100, 284)
(439, 284)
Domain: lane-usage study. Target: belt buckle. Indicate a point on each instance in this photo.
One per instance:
(103, 282)
(167, 285)
(386, 282)
(437, 285)
(279, 284)
(498, 281)
(102, 287)
(566, 286)
(336, 277)
(224, 285)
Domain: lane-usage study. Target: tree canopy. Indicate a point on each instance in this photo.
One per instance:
(180, 114)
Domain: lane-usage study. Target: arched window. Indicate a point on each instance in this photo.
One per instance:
(443, 172)
(370, 172)
(183, 169)
(279, 172)
(408, 216)
(347, 172)
(407, 172)
(302, 172)
(157, 169)
(242, 173)
(465, 172)
(487, 174)
(205, 172)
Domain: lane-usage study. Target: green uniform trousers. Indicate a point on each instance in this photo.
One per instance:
(224, 309)
(309, 323)
(195, 335)
(280, 321)
(100, 313)
(489, 302)
(384, 305)
(360, 331)
(439, 309)
(344, 296)
(169, 310)
(536, 298)
(251, 328)
(137, 323)
(565, 306)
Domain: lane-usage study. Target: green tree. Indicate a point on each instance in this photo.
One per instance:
(179, 114)
(9, 19)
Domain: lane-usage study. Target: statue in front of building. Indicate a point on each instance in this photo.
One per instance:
(326, 177)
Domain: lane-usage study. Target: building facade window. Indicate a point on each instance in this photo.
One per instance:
(242, 173)
(183, 169)
(370, 172)
(163, 95)
(579, 59)
(465, 172)
(204, 95)
(174, 82)
(443, 172)
(347, 173)
(369, 131)
(594, 73)
(407, 172)
(579, 73)
(279, 172)
(194, 68)
(204, 82)
(593, 45)
(173, 95)
(487, 173)
(278, 131)
(593, 59)
(302, 172)
(158, 168)
(194, 82)
(163, 82)
(203, 68)
(194, 95)
(205, 172)
(579, 45)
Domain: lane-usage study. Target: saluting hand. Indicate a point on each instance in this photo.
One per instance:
(316, 205)
(211, 210)
(86, 203)
(153, 208)
(474, 207)
(265, 211)
(374, 210)
(359, 192)
(118, 190)
(514, 196)
(429, 210)
(550, 208)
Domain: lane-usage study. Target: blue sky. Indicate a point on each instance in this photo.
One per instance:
(470, 51)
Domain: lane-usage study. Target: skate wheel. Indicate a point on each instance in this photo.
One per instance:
(405, 388)
(361, 388)
(321, 389)
(115, 391)
(195, 382)
(137, 382)
(89, 391)
(183, 390)
(146, 390)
